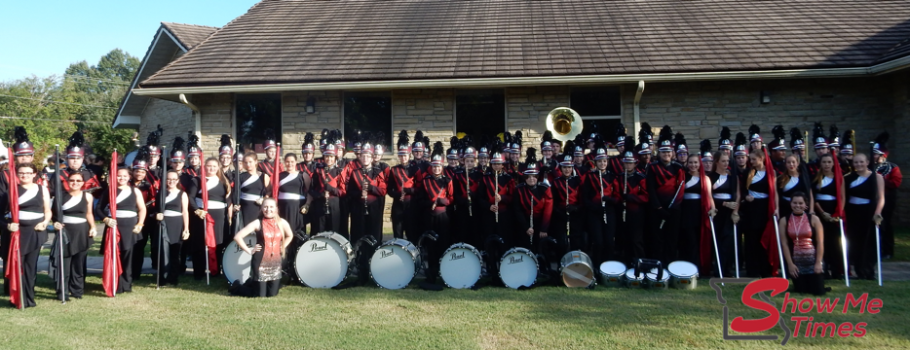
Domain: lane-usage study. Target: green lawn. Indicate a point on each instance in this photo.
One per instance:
(901, 244)
(197, 316)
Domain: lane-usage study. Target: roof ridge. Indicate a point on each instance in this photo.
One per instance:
(188, 24)
(203, 42)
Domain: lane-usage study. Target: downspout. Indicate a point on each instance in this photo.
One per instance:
(636, 121)
(197, 115)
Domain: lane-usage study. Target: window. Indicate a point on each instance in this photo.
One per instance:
(369, 112)
(480, 112)
(255, 114)
(599, 105)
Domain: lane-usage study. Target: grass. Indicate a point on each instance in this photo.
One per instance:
(197, 316)
(901, 244)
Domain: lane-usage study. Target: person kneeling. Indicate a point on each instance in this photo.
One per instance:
(273, 235)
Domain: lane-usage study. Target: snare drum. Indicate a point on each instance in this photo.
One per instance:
(236, 262)
(518, 268)
(394, 264)
(611, 273)
(653, 282)
(683, 275)
(577, 269)
(322, 261)
(631, 280)
(460, 266)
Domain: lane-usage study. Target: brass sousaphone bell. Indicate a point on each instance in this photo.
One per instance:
(564, 123)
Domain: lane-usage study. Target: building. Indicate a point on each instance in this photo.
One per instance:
(485, 66)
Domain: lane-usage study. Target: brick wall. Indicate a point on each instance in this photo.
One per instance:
(175, 119)
(430, 110)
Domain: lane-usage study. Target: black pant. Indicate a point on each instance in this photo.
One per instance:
(439, 222)
(755, 218)
(574, 239)
(664, 239)
(258, 289)
(601, 234)
(834, 254)
(126, 271)
(399, 217)
(139, 253)
(74, 267)
(366, 225)
(632, 232)
(813, 283)
(29, 275)
(723, 227)
(169, 268)
(861, 248)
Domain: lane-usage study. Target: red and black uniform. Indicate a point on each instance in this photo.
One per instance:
(434, 196)
(307, 167)
(549, 169)
(599, 195)
(615, 166)
(398, 183)
(536, 202)
(91, 185)
(635, 204)
(414, 223)
(486, 195)
(892, 176)
(366, 215)
(664, 197)
(267, 166)
(327, 210)
(149, 192)
(567, 209)
(465, 219)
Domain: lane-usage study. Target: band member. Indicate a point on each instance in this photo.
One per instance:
(740, 155)
(755, 140)
(821, 148)
(399, 183)
(152, 144)
(643, 152)
(79, 223)
(252, 189)
(599, 196)
(267, 165)
(682, 150)
(496, 197)
(725, 191)
(567, 222)
(176, 220)
(24, 152)
(512, 166)
(846, 152)
(891, 173)
(707, 158)
(483, 158)
(329, 189)
(865, 200)
(616, 163)
(452, 164)
(219, 200)
(417, 167)
(804, 265)
(435, 194)
(834, 141)
(757, 213)
(273, 236)
(307, 152)
(364, 186)
(829, 204)
(148, 191)
(790, 182)
(131, 214)
(534, 206)
(634, 199)
(725, 144)
(581, 166)
(226, 157)
(75, 155)
(695, 241)
(665, 180)
(293, 197)
(34, 216)
(778, 149)
(466, 185)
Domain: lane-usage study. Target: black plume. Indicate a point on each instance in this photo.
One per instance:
(179, 144)
(467, 141)
(882, 138)
(680, 139)
(569, 150)
(325, 133)
(426, 141)
(268, 134)
(795, 135)
(579, 141)
(517, 137)
(418, 137)
(834, 132)
(154, 137)
(77, 140)
(725, 133)
(665, 133)
(454, 142)
(532, 156)
(849, 137)
(705, 146)
(740, 139)
(438, 150)
(379, 138)
(226, 140)
(403, 139)
(818, 131)
(754, 129)
(193, 140)
(547, 136)
(778, 132)
(21, 135)
(620, 131)
(646, 129)
(142, 154)
(507, 138)
(308, 138)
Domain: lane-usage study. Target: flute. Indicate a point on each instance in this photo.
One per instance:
(603, 204)
(366, 187)
(625, 190)
(325, 182)
(567, 206)
(531, 238)
(496, 178)
(467, 177)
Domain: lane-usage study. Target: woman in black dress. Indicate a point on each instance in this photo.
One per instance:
(129, 222)
(865, 200)
(725, 190)
(829, 204)
(791, 182)
(757, 214)
(219, 191)
(693, 244)
(78, 222)
(252, 189)
(273, 235)
(293, 195)
(176, 219)
(34, 216)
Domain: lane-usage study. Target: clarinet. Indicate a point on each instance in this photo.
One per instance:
(467, 177)
(567, 207)
(496, 178)
(366, 187)
(603, 204)
(325, 183)
(531, 194)
(625, 190)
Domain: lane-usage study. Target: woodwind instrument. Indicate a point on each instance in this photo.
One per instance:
(496, 179)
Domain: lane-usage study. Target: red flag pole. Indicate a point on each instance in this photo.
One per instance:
(208, 233)
(14, 270)
(110, 277)
(276, 172)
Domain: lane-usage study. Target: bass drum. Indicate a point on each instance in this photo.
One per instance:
(577, 269)
(323, 260)
(460, 266)
(236, 263)
(518, 268)
(394, 264)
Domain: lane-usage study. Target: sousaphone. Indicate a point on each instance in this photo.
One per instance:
(564, 123)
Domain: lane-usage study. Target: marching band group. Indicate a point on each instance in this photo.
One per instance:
(653, 199)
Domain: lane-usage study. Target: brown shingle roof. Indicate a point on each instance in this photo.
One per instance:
(189, 35)
(314, 41)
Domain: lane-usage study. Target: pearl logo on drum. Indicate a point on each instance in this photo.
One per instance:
(456, 256)
(314, 247)
(385, 253)
(513, 260)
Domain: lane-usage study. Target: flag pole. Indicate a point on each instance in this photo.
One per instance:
(58, 195)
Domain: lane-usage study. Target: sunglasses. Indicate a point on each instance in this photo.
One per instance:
(74, 180)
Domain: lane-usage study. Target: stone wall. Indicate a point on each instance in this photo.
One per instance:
(217, 118)
(429, 110)
(175, 119)
(527, 109)
(296, 122)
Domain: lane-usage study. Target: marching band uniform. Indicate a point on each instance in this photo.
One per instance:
(435, 195)
(756, 215)
(466, 183)
(664, 181)
(891, 173)
(829, 199)
(366, 215)
(536, 201)
(127, 219)
(599, 195)
(724, 188)
(292, 194)
(149, 191)
(327, 194)
(566, 208)
(75, 218)
(31, 213)
(862, 194)
(399, 183)
(252, 189)
(634, 203)
(173, 222)
(218, 202)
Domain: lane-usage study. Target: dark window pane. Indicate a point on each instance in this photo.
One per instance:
(369, 112)
(606, 128)
(596, 101)
(255, 114)
(480, 112)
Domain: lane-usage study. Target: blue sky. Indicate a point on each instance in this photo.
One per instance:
(42, 37)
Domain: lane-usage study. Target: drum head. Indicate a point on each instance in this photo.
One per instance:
(682, 269)
(652, 276)
(392, 266)
(518, 268)
(630, 275)
(460, 267)
(321, 263)
(612, 268)
(236, 262)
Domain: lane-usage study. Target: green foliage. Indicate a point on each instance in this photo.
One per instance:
(84, 98)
